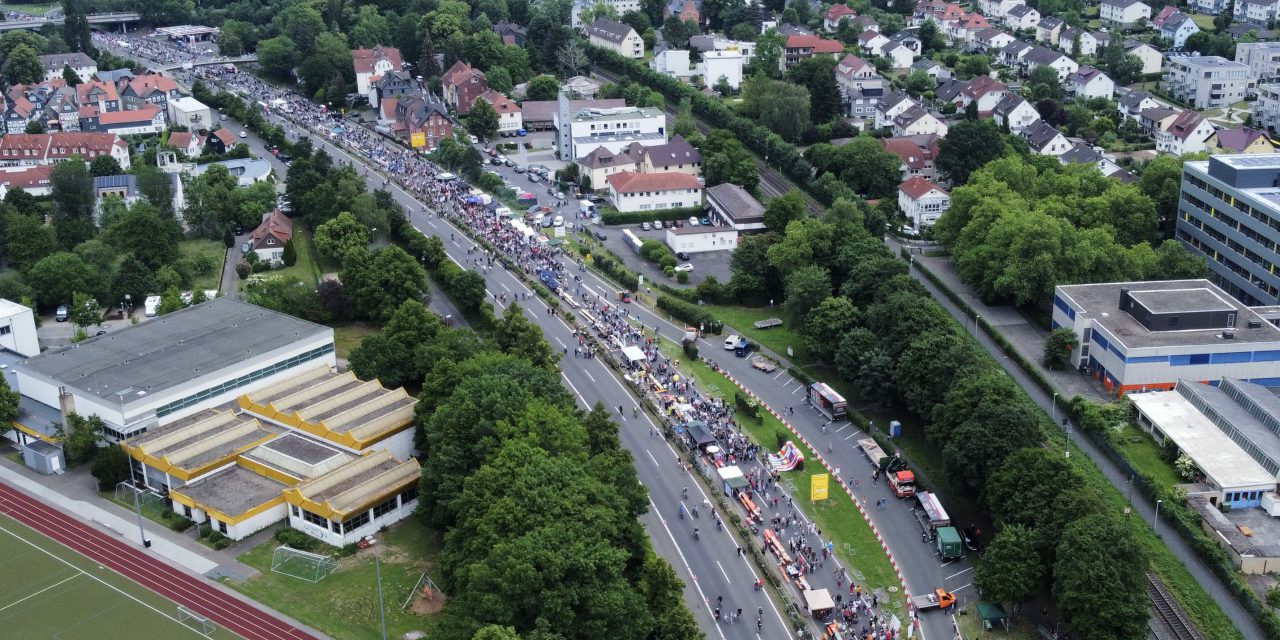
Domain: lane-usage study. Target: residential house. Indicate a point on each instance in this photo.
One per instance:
(540, 115)
(986, 91)
(630, 191)
(1239, 31)
(1175, 26)
(1014, 113)
(676, 156)
(1207, 82)
(716, 42)
(835, 15)
(189, 143)
(1048, 29)
(1011, 54)
(461, 85)
(425, 115)
(1211, 7)
(598, 165)
(619, 6)
(1262, 58)
(939, 11)
(800, 47)
(674, 63)
(246, 171)
(1157, 119)
(509, 116)
(918, 155)
(53, 64)
(899, 55)
(1126, 14)
(1046, 57)
(272, 234)
(1088, 82)
(18, 111)
(102, 95)
(1239, 139)
(1022, 18)
(149, 88)
(871, 41)
(1266, 109)
(23, 149)
(222, 140)
(190, 113)
(727, 64)
(963, 31)
(918, 121)
(580, 132)
(371, 64)
(731, 206)
(891, 106)
(617, 37)
(922, 202)
(686, 10)
(1089, 43)
(33, 180)
(61, 106)
(908, 39)
(1046, 140)
(1152, 59)
(512, 33)
(998, 8)
(991, 40)
(1186, 134)
(1133, 103)
(864, 23)
(144, 120)
(860, 85)
(1082, 153)
(391, 85)
(931, 68)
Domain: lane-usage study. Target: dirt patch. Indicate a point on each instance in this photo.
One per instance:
(427, 606)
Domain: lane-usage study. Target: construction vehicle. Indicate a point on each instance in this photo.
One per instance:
(900, 478)
(949, 545)
(903, 481)
(939, 599)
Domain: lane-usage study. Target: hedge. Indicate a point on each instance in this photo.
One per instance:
(692, 314)
(636, 217)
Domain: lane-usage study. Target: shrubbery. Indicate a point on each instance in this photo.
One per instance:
(636, 217)
(692, 314)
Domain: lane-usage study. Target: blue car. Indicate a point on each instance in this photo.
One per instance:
(521, 132)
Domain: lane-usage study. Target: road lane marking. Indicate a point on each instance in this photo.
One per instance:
(655, 460)
(575, 390)
(588, 374)
(958, 573)
(683, 560)
(723, 573)
(504, 286)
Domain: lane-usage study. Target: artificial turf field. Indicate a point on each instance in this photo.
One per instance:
(50, 591)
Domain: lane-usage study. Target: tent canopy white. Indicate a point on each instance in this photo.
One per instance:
(818, 600)
(633, 354)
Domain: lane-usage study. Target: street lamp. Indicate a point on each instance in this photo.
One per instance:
(1155, 521)
(1055, 406)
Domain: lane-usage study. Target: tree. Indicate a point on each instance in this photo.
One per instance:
(157, 186)
(1161, 179)
(931, 38)
(1043, 83)
(518, 336)
(142, 231)
(496, 632)
(8, 405)
(80, 437)
(571, 59)
(328, 66)
(783, 209)
(170, 301)
(1010, 570)
(1058, 347)
(22, 66)
(73, 200)
(337, 237)
(70, 76)
(499, 79)
(868, 168)
(542, 87)
(677, 32)
(277, 57)
(806, 288)
(102, 166)
(482, 120)
(467, 288)
(768, 58)
(973, 66)
(10, 40)
(817, 74)
(724, 159)
(75, 27)
(1099, 579)
(34, 127)
(58, 276)
(377, 284)
(829, 322)
(27, 239)
(85, 311)
(969, 145)
(780, 106)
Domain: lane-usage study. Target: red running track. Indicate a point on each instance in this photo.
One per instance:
(194, 593)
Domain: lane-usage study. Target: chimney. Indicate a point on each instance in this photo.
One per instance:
(1125, 299)
(67, 404)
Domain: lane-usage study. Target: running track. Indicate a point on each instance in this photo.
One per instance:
(194, 593)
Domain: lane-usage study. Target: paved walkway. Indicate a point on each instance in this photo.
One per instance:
(75, 491)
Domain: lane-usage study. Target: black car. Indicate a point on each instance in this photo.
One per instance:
(682, 255)
(600, 236)
(239, 229)
(971, 536)
(285, 158)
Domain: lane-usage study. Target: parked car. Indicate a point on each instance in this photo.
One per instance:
(679, 224)
(244, 135)
(533, 177)
(600, 236)
(519, 169)
(644, 226)
(666, 224)
(684, 267)
(680, 255)
(693, 222)
(62, 314)
(706, 222)
(731, 343)
(509, 162)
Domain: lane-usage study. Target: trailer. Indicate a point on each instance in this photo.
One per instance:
(930, 515)
(940, 598)
(827, 401)
(768, 323)
(872, 450)
(764, 364)
(632, 241)
(949, 545)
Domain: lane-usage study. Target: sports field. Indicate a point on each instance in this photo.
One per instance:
(50, 591)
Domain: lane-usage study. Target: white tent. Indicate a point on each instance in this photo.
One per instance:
(818, 600)
(633, 354)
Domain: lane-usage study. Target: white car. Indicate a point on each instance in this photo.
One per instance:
(731, 343)
(244, 135)
(684, 267)
(693, 222)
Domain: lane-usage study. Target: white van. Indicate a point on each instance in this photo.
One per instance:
(559, 222)
(731, 343)
(150, 306)
(537, 219)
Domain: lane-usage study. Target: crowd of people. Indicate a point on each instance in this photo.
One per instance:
(673, 392)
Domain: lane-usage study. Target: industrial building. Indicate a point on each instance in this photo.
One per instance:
(1145, 336)
(1229, 212)
(18, 329)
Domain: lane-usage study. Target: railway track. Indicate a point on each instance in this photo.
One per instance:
(772, 183)
(1167, 615)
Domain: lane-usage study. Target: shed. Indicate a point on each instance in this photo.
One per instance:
(818, 601)
(699, 433)
(732, 478)
(43, 457)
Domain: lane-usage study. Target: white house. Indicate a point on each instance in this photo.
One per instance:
(1152, 59)
(374, 63)
(900, 55)
(1176, 28)
(918, 121)
(872, 41)
(630, 191)
(1015, 113)
(18, 329)
(620, 6)
(1089, 82)
(984, 90)
(1123, 13)
(1046, 57)
(860, 85)
(922, 202)
(835, 15)
(1048, 29)
(83, 65)
(998, 8)
(674, 63)
(891, 106)
(1022, 17)
(701, 239)
(581, 132)
(727, 64)
(1186, 134)
(510, 117)
(1091, 43)
(991, 39)
(190, 113)
(615, 36)
(1046, 140)
(269, 238)
(1012, 54)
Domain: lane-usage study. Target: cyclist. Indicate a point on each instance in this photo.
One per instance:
(684, 493)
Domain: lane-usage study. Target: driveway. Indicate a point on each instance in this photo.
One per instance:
(711, 263)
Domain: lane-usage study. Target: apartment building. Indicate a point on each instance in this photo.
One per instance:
(1207, 82)
(1262, 58)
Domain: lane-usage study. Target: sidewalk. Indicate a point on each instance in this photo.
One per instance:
(1026, 337)
(74, 492)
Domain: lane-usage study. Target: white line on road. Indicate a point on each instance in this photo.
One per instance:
(722, 572)
(680, 551)
(562, 344)
(796, 391)
(964, 587)
(958, 573)
(588, 374)
(504, 286)
(780, 374)
(655, 460)
(575, 390)
(851, 434)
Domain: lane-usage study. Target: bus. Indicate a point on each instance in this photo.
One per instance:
(827, 401)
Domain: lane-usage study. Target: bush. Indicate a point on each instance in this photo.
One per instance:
(180, 524)
(296, 539)
(691, 313)
(636, 217)
(110, 467)
(746, 405)
(690, 349)
(682, 277)
(221, 543)
(243, 269)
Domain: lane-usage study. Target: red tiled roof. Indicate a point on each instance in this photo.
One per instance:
(501, 103)
(818, 44)
(145, 114)
(143, 85)
(274, 224)
(181, 139)
(912, 154)
(364, 59)
(31, 177)
(632, 182)
(82, 91)
(916, 187)
(224, 134)
(838, 11)
(389, 108)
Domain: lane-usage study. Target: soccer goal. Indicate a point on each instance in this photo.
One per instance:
(125, 492)
(303, 565)
(196, 622)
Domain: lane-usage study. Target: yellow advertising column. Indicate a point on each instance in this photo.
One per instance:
(818, 484)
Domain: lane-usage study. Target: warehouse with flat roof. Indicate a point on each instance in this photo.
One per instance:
(175, 365)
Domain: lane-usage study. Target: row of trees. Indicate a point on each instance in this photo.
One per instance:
(1023, 225)
(897, 346)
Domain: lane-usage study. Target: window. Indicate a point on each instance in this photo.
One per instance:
(315, 519)
(6, 330)
(385, 507)
(356, 522)
(222, 526)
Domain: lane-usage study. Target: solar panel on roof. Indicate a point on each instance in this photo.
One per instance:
(1252, 160)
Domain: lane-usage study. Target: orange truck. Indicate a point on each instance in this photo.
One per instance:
(939, 599)
(903, 483)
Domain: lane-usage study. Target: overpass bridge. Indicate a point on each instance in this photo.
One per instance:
(122, 18)
(207, 62)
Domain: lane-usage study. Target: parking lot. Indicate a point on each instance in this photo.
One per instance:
(713, 263)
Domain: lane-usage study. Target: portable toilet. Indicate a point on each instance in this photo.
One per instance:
(43, 458)
(895, 429)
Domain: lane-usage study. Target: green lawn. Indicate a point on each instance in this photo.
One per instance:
(306, 268)
(50, 591)
(1204, 21)
(35, 9)
(971, 628)
(216, 252)
(348, 336)
(1144, 454)
(345, 604)
(777, 339)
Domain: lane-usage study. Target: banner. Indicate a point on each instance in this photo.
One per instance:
(418, 139)
(818, 484)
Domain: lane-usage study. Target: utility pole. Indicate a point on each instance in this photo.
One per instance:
(382, 611)
(137, 506)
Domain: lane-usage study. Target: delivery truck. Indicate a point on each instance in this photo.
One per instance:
(949, 545)
(827, 401)
(939, 599)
